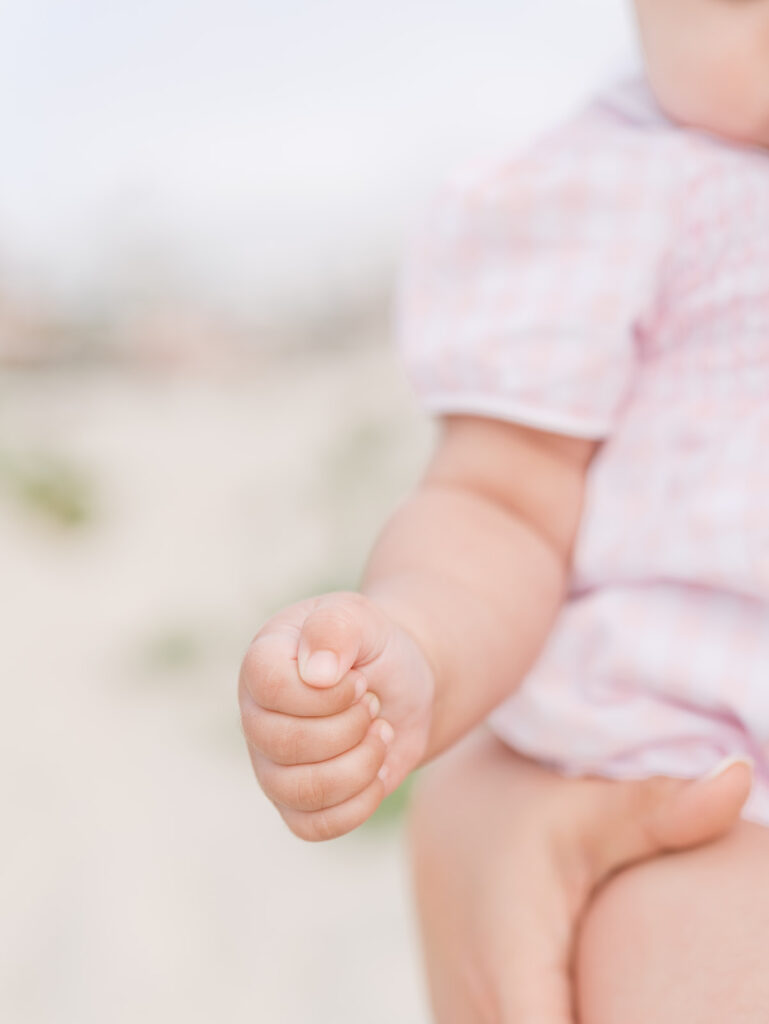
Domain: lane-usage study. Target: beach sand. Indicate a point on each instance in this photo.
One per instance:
(144, 875)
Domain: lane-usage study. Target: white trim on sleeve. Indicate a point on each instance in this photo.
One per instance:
(551, 420)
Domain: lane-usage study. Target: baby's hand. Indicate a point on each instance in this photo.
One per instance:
(335, 700)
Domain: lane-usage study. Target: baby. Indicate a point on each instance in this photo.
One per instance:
(584, 566)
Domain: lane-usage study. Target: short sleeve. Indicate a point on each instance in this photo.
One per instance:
(524, 289)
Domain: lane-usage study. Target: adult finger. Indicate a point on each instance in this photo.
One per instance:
(659, 815)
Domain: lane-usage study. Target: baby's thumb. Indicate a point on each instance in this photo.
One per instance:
(342, 630)
(660, 815)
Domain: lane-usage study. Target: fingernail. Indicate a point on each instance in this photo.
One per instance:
(322, 667)
(726, 764)
(383, 772)
(360, 687)
(372, 703)
(386, 732)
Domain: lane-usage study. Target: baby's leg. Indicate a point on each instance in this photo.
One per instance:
(683, 938)
(507, 855)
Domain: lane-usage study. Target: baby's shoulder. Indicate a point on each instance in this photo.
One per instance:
(618, 161)
(727, 193)
(616, 152)
(708, 171)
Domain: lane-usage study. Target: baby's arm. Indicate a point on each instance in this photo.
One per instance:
(475, 563)
(457, 599)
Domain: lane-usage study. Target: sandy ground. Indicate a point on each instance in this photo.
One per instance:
(143, 874)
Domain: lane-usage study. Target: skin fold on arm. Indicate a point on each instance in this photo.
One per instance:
(506, 854)
(475, 563)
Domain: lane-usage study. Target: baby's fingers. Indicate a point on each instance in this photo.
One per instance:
(288, 740)
(318, 826)
(269, 677)
(344, 629)
(315, 787)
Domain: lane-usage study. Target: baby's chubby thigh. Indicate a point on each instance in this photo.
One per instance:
(506, 854)
(683, 937)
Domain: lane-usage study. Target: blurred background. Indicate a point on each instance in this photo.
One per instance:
(202, 210)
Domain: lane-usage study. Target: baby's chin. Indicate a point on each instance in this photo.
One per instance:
(739, 116)
(735, 129)
(731, 130)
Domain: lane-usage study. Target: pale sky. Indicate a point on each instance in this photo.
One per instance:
(264, 150)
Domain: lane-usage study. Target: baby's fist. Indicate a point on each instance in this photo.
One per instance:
(312, 685)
